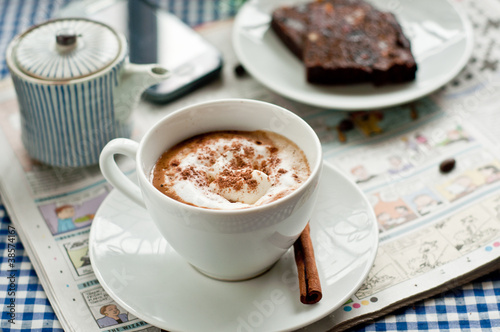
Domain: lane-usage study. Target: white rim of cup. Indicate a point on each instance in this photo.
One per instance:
(314, 171)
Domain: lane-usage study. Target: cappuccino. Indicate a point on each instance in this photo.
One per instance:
(231, 169)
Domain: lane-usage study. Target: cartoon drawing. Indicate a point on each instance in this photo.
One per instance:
(361, 174)
(384, 273)
(112, 316)
(427, 259)
(425, 203)
(402, 210)
(391, 211)
(104, 310)
(404, 214)
(422, 141)
(461, 186)
(85, 259)
(491, 173)
(66, 220)
(385, 218)
(78, 254)
(410, 145)
(454, 135)
(497, 210)
(376, 282)
(74, 213)
(397, 165)
(65, 216)
(471, 236)
(388, 221)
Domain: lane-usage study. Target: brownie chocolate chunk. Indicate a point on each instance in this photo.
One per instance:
(346, 42)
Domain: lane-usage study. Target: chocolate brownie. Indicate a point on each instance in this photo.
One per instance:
(290, 25)
(346, 42)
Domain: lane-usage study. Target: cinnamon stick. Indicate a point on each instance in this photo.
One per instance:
(309, 283)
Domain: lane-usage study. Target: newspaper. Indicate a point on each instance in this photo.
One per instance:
(436, 230)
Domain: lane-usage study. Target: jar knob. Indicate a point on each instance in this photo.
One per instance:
(66, 39)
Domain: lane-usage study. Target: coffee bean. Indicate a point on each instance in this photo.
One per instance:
(447, 165)
(346, 125)
(240, 71)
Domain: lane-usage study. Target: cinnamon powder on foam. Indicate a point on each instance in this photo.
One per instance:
(194, 160)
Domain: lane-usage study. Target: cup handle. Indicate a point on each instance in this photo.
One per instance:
(112, 172)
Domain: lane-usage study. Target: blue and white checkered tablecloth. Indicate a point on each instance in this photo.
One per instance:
(472, 307)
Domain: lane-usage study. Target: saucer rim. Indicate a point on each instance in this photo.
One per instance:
(333, 97)
(306, 322)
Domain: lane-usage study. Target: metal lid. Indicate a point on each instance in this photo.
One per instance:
(66, 49)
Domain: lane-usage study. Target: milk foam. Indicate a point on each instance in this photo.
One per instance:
(231, 170)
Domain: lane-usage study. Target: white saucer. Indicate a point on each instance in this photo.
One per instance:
(440, 34)
(143, 274)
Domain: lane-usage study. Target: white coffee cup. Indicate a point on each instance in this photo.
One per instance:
(224, 244)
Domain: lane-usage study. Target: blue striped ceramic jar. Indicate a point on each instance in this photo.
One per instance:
(75, 89)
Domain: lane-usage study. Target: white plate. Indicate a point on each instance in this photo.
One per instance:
(440, 34)
(144, 275)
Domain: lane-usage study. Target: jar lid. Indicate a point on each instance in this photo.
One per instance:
(66, 49)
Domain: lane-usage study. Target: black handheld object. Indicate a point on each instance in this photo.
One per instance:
(157, 36)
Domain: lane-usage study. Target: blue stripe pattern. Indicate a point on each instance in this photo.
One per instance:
(16, 16)
(26, 13)
(36, 314)
(473, 307)
(71, 123)
(35, 56)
